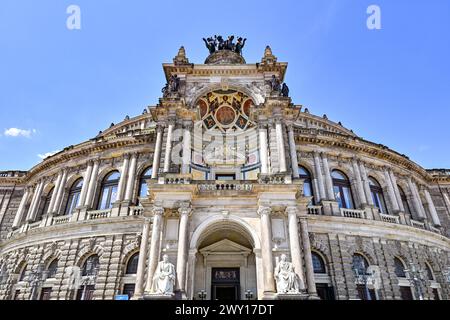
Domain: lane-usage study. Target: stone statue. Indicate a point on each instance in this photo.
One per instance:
(210, 44)
(218, 43)
(172, 86)
(285, 90)
(164, 278)
(239, 45)
(285, 277)
(275, 84)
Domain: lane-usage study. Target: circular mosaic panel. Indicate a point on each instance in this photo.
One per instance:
(225, 110)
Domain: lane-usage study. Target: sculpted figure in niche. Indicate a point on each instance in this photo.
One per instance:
(285, 277)
(164, 278)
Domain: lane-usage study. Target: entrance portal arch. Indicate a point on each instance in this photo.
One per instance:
(225, 256)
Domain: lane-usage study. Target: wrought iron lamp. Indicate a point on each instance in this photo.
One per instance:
(249, 294)
(35, 279)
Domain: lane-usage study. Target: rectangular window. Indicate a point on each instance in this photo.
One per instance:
(225, 176)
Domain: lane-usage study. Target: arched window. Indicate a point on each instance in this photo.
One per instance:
(404, 200)
(74, 196)
(429, 272)
(143, 188)
(90, 266)
(108, 193)
(359, 263)
(399, 268)
(318, 263)
(307, 183)
(377, 195)
(342, 190)
(47, 200)
(52, 269)
(23, 273)
(132, 264)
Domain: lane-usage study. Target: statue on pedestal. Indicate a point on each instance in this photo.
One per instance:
(164, 278)
(285, 277)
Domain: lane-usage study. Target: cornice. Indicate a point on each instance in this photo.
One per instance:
(356, 144)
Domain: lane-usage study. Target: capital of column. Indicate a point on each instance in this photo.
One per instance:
(185, 210)
(291, 210)
(126, 156)
(264, 211)
(187, 124)
(158, 211)
(262, 125)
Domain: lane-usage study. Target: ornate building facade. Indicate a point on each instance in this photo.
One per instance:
(229, 179)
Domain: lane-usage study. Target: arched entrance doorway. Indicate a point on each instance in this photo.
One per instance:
(225, 261)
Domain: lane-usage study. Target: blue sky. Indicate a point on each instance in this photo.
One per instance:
(61, 86)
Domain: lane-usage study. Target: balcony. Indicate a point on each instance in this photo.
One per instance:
(353, 213)
(315, 210)
(390, 219)
(418, 224)
(99, 214)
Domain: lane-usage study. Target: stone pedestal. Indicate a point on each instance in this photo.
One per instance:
(155, 296)
(291, 296)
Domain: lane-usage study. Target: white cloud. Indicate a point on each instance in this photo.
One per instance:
(16, 132)
(48, 154)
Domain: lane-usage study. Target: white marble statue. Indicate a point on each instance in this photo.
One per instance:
(164, 278)
(285, 277)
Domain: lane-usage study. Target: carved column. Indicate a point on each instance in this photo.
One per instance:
(167, 156)
(415, 198)
(62, 185)
(54, 194)
(266, 250)
(154, 246)
(359, 183)
(319, 176)
(391, 191)
(123, 177)
(157, 154)
(294, 240)
(293, 150)
(92, 183)
(140, 274)
(396, 191)
(308, 257)
(35, 202)
(185, 212)
(131, 177)
(366, 184)
(432, 208)
(328, 180)
(21, 210)
(187, 152)
(280, 142)
(86, 178)
(263, 148)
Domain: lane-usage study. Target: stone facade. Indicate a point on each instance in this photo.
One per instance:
(224, 176)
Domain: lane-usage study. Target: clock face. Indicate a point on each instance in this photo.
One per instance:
(225, 110)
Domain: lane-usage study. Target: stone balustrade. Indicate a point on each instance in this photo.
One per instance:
(136, 211)
(435, 230)
(99, 214)
(418, 224)
(60, 220)
(389, 218)
(315, 210)
(225, 186)
(353, 213)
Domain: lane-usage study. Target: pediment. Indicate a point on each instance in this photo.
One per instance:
(225, 246)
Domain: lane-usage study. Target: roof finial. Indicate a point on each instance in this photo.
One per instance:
(181, 58)
(268, 58)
